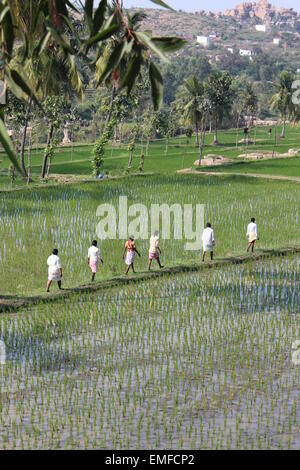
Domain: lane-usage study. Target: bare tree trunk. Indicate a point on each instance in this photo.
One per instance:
(141, 166)
(130, 160)
(237, 130)
(197, 132)
(283, 128)
(22, 150)
(49, 166)
(29, 159)
(275, 142)
(167, 146)
(183, 156)
(49, 139)
(201, 145)
(216, 132)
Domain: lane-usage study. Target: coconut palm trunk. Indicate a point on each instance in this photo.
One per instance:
(29, 159)
(202, 141)
(197, 130)
(237, 130)
(23, 142)
(167, 145)
(282, 136)
(216, 132)
(49, 139)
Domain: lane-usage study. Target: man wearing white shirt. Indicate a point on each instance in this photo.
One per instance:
(208, 240)
(94, 258)
(252, 234)
(54, 269)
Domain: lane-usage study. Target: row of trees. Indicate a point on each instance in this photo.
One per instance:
(46, 53)
(42, 43)
(219, 96)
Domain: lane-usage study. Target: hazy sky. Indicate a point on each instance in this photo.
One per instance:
(212, 5)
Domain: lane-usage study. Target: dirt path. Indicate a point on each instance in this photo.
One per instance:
(188, 171)
(11, 303)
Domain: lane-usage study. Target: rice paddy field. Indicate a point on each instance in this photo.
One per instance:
(33, 222)
(198, 361)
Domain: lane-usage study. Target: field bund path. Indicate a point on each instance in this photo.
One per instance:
(189, 171)
(10, 303)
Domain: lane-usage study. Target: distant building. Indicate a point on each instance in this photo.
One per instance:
(245, 52)
(230, 49)
(276, 41)
(213, 35)
(261, 27)
(203, 40)
(298, 70)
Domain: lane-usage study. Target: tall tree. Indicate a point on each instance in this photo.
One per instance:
(250, 101)
(195, 93)
(219, 92)
(57, 32)
(282, 100)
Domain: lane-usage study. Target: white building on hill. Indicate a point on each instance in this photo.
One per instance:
(276, 41)
(261, 27)
(245, 53)
(203, 40)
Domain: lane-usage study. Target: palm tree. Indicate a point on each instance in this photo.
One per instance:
(250, 101)
(61, 76)
(219, 92)
(55, 25)
(283, 98)
(195, 93)
(45, 67)
(25, 20)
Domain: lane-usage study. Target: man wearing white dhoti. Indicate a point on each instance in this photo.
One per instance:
(252, 234)
(54, 269)
(131, 250)
(208, 240)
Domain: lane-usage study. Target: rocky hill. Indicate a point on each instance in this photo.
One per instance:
(233, 30)
(265, 12)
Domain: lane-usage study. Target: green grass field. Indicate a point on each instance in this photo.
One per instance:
(77, 161)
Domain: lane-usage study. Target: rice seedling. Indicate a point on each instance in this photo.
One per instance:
(33, 223)
(201, 360)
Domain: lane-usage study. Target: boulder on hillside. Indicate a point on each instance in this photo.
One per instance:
(257, 155)
(212, 160)
(293, 152)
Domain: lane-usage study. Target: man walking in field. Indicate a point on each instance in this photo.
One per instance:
(94, 258)
(208, 240)
(154, 251)
(131, 250)
(54, 269)
(252, 234)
